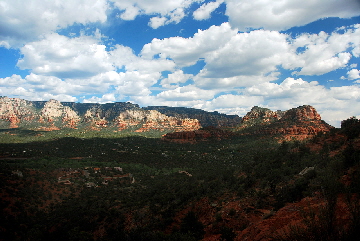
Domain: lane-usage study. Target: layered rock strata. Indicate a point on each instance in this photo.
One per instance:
(301, 122)
(54, 115)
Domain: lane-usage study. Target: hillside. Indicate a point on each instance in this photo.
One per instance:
(299, 123)
(214, 119)
(71, 184)
(54, 115)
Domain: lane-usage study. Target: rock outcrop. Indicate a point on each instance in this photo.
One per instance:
(299, 123)
(154, 120)
(259, 116)
(214, 119)
(53, 110)
(54, 115)
(13, 110)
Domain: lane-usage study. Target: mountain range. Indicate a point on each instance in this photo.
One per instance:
(206, 176)
(300, 122)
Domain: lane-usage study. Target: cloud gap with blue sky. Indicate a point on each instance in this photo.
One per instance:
(218, 55)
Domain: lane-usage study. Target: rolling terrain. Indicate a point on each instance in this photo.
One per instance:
(72, 172)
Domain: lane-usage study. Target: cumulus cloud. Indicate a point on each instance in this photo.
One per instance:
(130, 13)
(167, 11)
(254, 53)
(226, 84)
(174, 79)
(124, 58)
(65, 57)
(186, 93)
(187, 51)
(34, 87)
(106, 98)
(135, 83)
(295, 92)
(156, 22)
(324, 52)
(205, 10)
(22, 22)
(282, 15)
(234, 59)
(173, 17)
(353, 74)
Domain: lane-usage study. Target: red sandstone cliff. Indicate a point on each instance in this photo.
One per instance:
(299, 123)
(53, 115)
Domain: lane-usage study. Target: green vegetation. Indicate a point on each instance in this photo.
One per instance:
(160, 179)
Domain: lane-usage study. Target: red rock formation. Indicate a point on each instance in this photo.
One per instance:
(14, 110)
(258, 115)
(302, 113)
(299, 123)
(54, 110)
(153, 120)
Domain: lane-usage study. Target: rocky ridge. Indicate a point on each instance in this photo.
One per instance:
(54, 115)
(214, 119)
(299, 123)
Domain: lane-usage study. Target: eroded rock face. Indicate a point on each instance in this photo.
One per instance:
(54, 110)
(14, 110)
(154, 120)
(206, 119)
(302, 113)
(258, 115)
(54, 115)
(299, 123)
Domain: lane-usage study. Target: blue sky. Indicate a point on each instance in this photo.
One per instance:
(219, 55)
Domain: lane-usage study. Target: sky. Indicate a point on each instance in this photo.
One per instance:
(217, 55)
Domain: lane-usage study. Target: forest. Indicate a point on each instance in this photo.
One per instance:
(101, 185)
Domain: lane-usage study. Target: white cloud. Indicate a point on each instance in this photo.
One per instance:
(167, 11)
(205, 10)
(124, 57)
(106, 98)
(65, 57)
(353, 74)
(334, 104)
(34, 87)
(322, 66)
(174, 79)
(294, 91)
(186, 93)
(187, 51)
(284, 14)
(135, 83)
(130, 13)
(38, 87)
(243, 59)
(254, 53)
(233, 101)
(323, 52)
(21, 22)
(226, 84)
(156, 22)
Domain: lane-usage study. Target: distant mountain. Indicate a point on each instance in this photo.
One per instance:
(299, 123)
(54, 115)
(213, 119)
